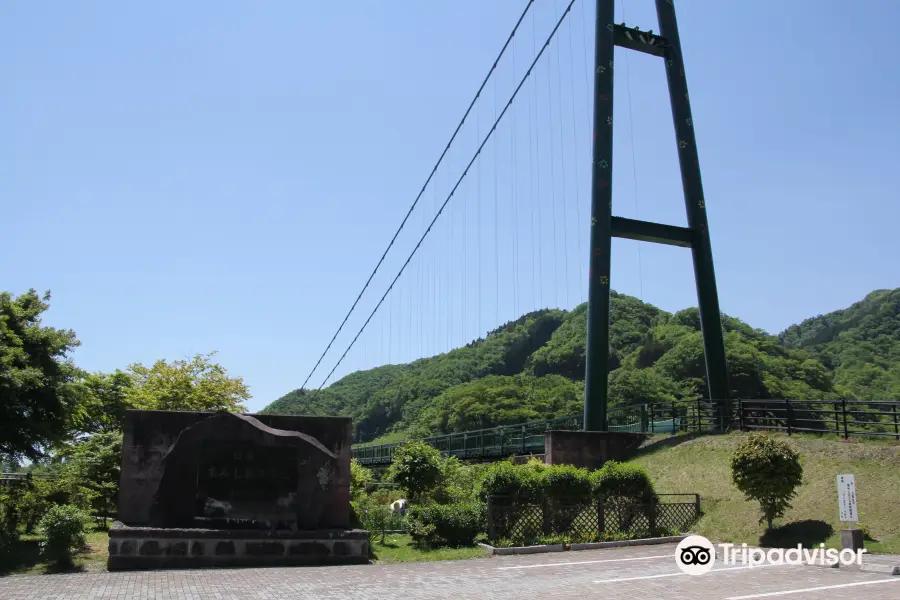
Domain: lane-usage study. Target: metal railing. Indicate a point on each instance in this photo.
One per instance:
(9, 479)
(528, 438)
(844, 418)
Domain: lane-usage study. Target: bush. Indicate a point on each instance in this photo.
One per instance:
(11, 509)
(438, 525)
(377, 517)
(360, 480)
(621, 482)
(566, 483)
(416, 468)
(63, 531)
(459, 481)
(522, 484)
(769, 471)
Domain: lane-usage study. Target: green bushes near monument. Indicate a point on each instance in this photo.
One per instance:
(63, 528)
(767, 470)
(452, 499)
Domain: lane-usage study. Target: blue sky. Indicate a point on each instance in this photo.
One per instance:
(188, 177)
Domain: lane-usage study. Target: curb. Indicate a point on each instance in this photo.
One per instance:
(576, 547)
(523, 549)
(672, 539)
(883, 568)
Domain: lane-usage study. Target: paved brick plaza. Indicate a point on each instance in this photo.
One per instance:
(634, 573)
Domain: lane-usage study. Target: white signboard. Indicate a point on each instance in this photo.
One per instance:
(847, 499)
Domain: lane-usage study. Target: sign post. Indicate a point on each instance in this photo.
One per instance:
(848, 510)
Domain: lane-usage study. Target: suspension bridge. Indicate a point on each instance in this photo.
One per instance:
(507, 220)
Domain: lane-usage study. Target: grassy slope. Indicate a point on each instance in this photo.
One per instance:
(702, 465)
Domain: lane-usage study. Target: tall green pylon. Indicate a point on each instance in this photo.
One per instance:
(604, 226)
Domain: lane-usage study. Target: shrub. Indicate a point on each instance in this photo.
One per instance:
(438, 525)
(519, 483)
(376, 517)
(9, 524)
(566, 483)
(769, 471)
(459, 481)
(360, 480)
(63, 531)
(623, 483)
(11, 509)
(416, 467)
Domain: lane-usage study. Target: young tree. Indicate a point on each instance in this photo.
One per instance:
(416, 467)
(767, 470)
(95, 463)
(36, 378)
(198, 384)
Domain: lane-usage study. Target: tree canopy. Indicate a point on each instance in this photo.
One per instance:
(48, 406)
(36, 377)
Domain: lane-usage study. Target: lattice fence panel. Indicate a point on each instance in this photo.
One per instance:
(519, 521)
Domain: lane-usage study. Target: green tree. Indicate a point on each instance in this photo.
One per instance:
(198, 384)
(639, 386)
(103, 399)
(36, 377)
(95, 462)
(360, 479)
(768, 471)
(416, 468)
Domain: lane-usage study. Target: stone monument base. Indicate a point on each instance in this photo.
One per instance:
(589, 449)
(153, 548)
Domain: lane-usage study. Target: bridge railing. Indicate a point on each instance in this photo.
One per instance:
(11, 479)
(528, 438)
(844, 418)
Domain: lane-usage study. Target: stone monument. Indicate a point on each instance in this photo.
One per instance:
(222, 489)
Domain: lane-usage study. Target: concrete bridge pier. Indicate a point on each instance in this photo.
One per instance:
(589, 449)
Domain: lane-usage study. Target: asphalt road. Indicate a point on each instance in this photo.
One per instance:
(634, 573)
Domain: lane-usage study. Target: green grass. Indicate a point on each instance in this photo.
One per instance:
(91, 559)
(702, 465)
(398, 548)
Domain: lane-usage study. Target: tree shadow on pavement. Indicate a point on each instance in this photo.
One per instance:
(808, 533)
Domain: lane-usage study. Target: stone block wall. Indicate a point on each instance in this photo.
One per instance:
(137, 548)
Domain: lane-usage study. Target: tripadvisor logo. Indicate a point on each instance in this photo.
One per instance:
(696, 555)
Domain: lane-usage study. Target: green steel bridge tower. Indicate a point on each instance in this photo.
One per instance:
(604, 226)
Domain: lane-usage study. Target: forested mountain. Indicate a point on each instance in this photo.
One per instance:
(533, 368)
(860, 345)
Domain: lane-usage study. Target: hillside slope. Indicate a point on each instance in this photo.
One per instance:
(533, 367)
(382, 398)
(702, 466)
(859, 344)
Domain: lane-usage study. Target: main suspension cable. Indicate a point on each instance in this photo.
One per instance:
(453, 190)
(422, 191)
